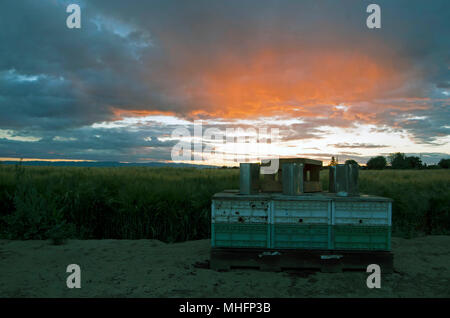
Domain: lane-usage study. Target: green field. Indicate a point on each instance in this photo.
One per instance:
(173, 204)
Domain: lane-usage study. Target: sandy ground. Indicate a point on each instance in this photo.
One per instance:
(149, 268)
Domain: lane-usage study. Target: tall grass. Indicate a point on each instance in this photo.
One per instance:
(169, 204)
(173, 204)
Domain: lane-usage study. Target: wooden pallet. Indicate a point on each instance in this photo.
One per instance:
(223, 259)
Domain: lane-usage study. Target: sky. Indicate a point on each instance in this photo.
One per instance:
(137, 72)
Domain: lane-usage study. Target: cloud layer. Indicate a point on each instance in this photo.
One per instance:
(315, 61)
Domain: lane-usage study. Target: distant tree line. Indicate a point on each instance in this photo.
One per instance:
(399, 160)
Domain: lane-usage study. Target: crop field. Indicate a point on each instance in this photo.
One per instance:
(173, 204)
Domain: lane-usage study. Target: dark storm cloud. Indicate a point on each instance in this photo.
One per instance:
(300, 131)
(358, 145)
(93, 144)
(426, 120)
(80, 73)
(155, 56)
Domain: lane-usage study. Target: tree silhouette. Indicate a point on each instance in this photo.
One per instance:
(351, 162)
(444, 163)
(333, 161)
(377, 163)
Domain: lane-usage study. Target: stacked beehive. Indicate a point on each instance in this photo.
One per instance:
(362, 222)
(300, 222)
(240, 220)
(339, 220)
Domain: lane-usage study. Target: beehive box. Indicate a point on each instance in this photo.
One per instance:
(240, 235)
(343, 179)
(240, 220)
(294, 236)
(300, 222)
(362, 210)
(350, 237)
(304, 209)
(362, 222)
(309, 177)
(308, 221)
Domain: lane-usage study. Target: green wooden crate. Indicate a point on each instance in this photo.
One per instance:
(356, 237)
(240, 235)
(296, 236)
